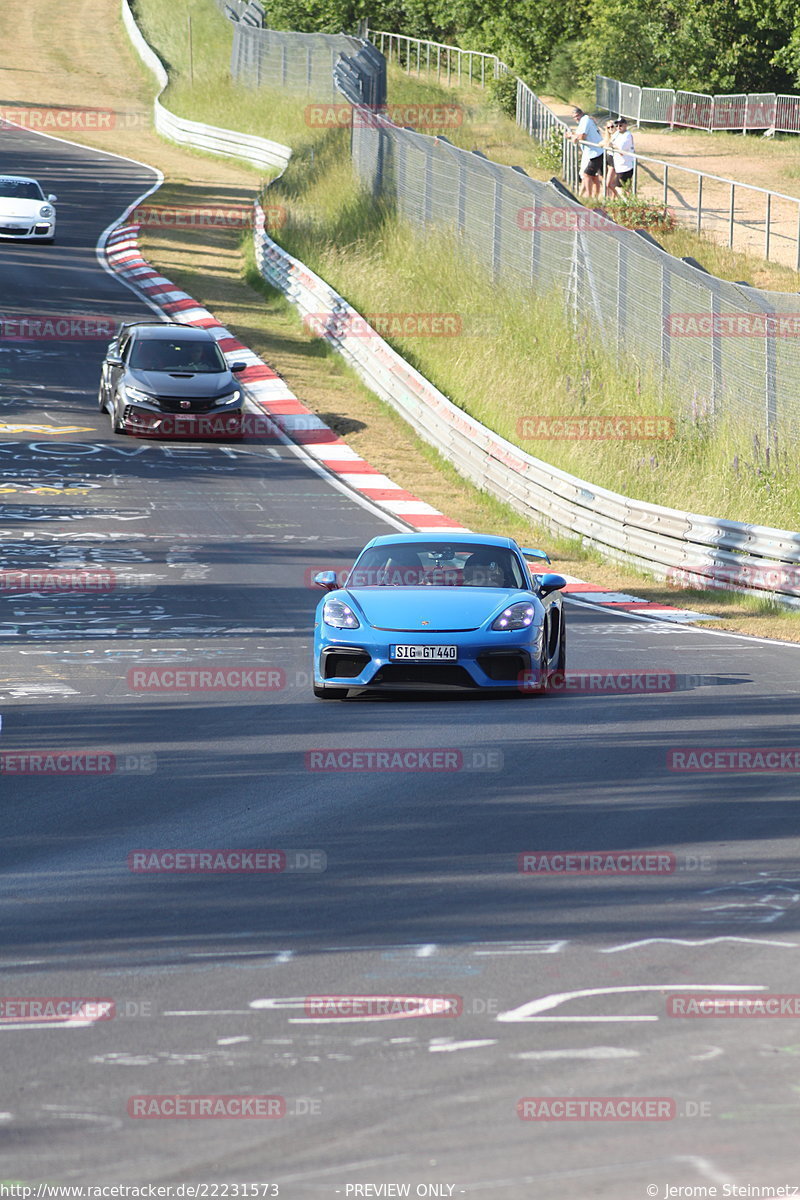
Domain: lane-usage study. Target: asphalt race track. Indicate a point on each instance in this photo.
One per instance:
(397, 883)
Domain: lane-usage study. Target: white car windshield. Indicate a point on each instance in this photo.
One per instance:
(436, 564)
(20, 189)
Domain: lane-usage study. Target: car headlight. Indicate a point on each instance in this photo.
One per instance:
(138, 396)
(339, 614)
(46, 210)
(229, 399)
(518, 616)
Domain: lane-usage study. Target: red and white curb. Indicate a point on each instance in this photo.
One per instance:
(270, 395)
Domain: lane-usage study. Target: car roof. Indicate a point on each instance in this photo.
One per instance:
(167, 329)
(18, 178)
(446, 539)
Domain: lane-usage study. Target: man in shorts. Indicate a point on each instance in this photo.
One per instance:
(591, 168)
(622, 145)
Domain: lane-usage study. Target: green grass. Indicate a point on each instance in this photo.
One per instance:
(516, 359)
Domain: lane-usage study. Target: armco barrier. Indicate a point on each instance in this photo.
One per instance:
(661, 540)
(259, 152)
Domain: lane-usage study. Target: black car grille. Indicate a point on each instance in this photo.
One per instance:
(177, 404)
(344, 664)
(506, 666)
(424, 674)
(15, 231)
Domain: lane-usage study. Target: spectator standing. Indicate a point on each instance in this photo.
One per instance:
(592, 153)
(623, 160)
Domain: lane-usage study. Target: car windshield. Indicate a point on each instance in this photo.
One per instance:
(177, 356)
(437, 564)
(20, 189)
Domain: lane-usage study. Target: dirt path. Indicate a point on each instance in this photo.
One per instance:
(760, 162)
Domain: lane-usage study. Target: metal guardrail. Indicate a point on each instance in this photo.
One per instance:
(259, 152)
(665, 541)
(448, 63)
(734, 111)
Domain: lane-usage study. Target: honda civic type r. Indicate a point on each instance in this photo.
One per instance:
(459, 611)
(166, 379)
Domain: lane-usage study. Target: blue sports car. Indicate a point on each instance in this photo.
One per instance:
(456, 611)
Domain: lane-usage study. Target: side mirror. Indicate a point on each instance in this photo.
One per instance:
(327, 580)
(113, 360)
(239, 366)
(550, 583)
(52, 199)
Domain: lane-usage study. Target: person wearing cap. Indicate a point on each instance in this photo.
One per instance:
(621, 170)
(592, 154)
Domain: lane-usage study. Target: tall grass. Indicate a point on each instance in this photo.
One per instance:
(518, 354)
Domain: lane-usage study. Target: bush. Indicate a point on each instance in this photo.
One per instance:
(636, 213)
(503, 94)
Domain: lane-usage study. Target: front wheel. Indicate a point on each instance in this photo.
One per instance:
(330, 693)
(559, 662)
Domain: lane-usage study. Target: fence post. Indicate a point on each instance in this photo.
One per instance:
(699, 201)
(730, 227)
(666, 184)
(768, 222)
(497, 231)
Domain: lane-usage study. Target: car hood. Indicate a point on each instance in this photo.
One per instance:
(204, 385)
(445, 609)
(11, 207)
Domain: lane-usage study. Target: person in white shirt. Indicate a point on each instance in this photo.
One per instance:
(621, 170)
(592, 155)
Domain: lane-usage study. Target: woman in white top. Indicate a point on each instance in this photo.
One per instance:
(621, 170)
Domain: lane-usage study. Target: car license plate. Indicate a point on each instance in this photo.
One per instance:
(426, 653)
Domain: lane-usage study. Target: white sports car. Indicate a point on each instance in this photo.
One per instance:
(25, 211)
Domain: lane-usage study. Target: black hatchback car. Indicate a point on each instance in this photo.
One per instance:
(170, 380)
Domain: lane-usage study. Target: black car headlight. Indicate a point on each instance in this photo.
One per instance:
(137, 396)
(339, 615)
(517, 616)
(231, 398)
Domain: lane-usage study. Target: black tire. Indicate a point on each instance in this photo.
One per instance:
(560, 663)
(101, 404)
(330, 693)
